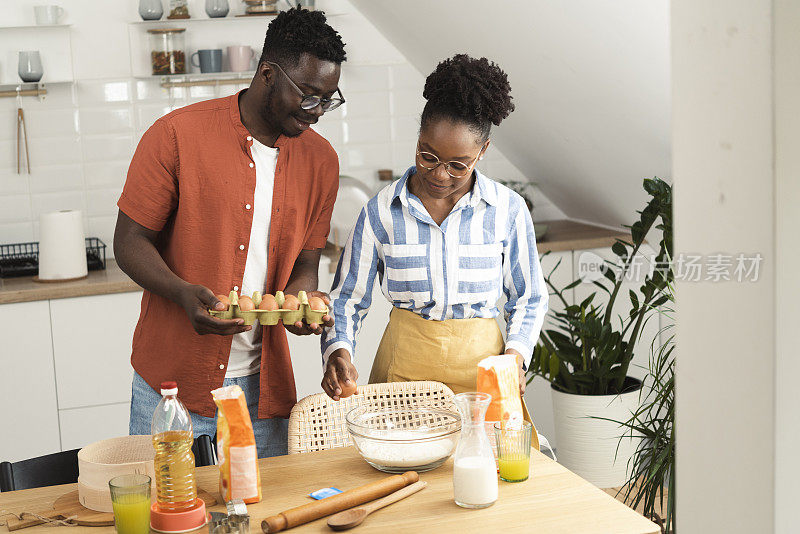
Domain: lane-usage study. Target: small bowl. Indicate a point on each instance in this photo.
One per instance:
(406, 436)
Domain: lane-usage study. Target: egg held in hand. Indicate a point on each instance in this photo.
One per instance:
(316, 303)
(291, 303)
(224, 300)
(347, 389)
(268, 303)
(246, 304)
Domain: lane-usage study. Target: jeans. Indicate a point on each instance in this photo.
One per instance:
(271, 434)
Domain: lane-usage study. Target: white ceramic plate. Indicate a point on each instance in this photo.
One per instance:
(353, 195)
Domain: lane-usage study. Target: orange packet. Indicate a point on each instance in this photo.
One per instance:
(499, 377)
(239, 477)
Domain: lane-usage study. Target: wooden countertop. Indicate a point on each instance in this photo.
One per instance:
(103, 282)
(552, 500)
(572, 235)
(561, 235)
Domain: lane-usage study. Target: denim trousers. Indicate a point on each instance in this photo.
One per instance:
(271, 434)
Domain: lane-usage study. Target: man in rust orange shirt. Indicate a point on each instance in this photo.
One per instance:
(232, 194)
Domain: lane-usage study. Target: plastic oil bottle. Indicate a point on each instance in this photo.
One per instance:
(174, 461)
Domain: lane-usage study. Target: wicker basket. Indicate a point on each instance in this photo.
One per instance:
(318, 422)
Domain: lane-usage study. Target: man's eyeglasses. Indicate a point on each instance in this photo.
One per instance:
(454, 168)
(312, 101)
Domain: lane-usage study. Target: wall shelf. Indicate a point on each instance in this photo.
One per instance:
(9, 90)
(36, 27)
(197, 79)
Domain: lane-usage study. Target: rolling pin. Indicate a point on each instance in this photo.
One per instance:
(331, 505)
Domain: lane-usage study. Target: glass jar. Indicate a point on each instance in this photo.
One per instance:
(167, 53)
(178, 9)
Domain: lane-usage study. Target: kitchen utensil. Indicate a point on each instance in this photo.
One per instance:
(353, 195)
(30, 66)
(318, 509)
(513, 451)
(68, 506)
(208, 60)
(167, 54)
(355, 516)
(130, 495)
(151, 9)
(240, 58)
(47, 14)
(401, 434)
(474, 469)
(217, 8)
(22, 137)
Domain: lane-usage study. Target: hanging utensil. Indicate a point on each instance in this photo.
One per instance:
(22, 136)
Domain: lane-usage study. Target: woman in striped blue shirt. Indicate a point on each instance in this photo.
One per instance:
(445, 243)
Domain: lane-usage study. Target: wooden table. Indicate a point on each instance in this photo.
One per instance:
(553, 500)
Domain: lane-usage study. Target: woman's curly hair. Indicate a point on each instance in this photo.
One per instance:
(473, 91)
(299, 31)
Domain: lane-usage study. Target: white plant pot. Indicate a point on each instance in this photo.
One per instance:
(588, 446)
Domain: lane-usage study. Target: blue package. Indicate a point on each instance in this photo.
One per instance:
(324, 492)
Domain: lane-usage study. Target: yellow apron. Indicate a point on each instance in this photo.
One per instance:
(413, 348)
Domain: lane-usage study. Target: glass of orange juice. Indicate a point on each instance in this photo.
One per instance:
(130, 497)
(513, 451)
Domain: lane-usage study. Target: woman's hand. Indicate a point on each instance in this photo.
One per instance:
(196, 300)
(300, 328)
(338, 371)
(521, 368)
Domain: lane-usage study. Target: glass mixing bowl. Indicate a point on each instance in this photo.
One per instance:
(404, 436)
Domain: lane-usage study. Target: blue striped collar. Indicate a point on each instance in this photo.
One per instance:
(486, 189)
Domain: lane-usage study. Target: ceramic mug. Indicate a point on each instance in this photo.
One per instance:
(47, 14)
(208, 60)
(30, 66)
(240, 58)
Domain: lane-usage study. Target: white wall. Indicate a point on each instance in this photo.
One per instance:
(786, 20)
(724, 105)
(82, 136)
(590, 81)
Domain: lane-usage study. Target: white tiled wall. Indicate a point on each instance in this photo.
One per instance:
(82, 135)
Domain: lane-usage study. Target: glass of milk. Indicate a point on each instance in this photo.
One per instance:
(474, 469)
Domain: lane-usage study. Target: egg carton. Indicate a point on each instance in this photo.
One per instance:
(271, 317)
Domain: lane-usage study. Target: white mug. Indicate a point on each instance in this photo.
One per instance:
(240, 58)
(47, 14)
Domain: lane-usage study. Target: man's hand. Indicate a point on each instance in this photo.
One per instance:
(521, 369)
(300, 328)
(338, 371)
(196, 301)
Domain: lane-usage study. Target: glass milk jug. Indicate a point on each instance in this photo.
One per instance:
(474, 469)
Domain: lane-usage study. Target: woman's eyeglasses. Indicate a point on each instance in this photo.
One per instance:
(312, 101)
(454, 168)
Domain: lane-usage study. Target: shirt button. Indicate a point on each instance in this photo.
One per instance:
(241, 247)
(252, 165)
(221, 366)
(236, 288)
(247, 206)
(249, 137)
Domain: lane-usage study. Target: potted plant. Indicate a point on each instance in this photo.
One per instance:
(587, 352)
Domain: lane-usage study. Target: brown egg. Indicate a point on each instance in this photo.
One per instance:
(224, 300)
(347, 390)
(268, 302)
(246, 304)
(291, 303)
(316, 303)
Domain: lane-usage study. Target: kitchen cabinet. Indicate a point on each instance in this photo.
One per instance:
(92, 348)
(28, 398)
(82, 426)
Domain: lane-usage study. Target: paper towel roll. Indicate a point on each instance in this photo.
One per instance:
(62, 245)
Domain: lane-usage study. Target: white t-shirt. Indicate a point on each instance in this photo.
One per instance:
(245, 356)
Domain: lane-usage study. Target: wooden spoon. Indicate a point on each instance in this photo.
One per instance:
(355, 516)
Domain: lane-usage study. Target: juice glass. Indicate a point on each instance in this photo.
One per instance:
(513, 451)
(130, 497)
